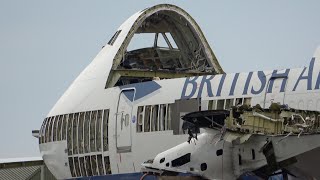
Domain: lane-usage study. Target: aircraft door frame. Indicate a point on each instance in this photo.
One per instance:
(123, 120)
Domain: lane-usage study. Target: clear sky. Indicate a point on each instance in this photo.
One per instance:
(44, 45)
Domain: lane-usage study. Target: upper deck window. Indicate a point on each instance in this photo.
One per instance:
(114, 38)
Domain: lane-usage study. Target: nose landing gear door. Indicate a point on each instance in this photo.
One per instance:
(123, 120)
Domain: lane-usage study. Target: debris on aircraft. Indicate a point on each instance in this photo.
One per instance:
(241, 140)
(273, 121)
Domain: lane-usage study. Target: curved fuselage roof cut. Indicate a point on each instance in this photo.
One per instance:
(96, 76)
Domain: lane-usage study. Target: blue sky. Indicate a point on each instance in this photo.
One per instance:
(44, 45)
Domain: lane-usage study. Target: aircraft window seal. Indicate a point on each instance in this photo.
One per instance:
(114, 37)
(203, 166)
(219, 152)
(181, 160)
(105, 129)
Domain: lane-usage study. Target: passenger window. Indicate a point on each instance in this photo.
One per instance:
(64, 127)
(140, 118)
(50, 129)
(82, 166)
(75, 124)
(69, 134)
(105, 129)
(58, 138)
(162, 116)
(76, 166)
(80, 133)
(94, 165)
(154, 117)
(107, 165)
(114, 37)
(98, 130)
(212, 105)
(229, 103)
(239, 101)
(92, 131)
(73, 174)
(220, 104)
(87, 131)
(87, 162)
(168, 117)
(100, 164)
(147, 113)
(42, 133)
(247, 101)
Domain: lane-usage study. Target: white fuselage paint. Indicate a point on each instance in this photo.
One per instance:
(146, 145)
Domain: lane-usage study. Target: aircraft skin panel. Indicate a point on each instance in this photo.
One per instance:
(298, 88)
(55, 158)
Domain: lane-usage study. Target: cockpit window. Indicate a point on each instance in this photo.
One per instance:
(181, 160)
(114, 37)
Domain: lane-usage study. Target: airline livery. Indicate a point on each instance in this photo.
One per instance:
(126, 106)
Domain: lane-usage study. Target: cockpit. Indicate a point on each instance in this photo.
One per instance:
(162, 45)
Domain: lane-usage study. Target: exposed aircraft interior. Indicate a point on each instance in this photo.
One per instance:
(170, 46)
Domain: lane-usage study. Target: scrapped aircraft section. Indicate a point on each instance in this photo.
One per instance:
(242, 140)
(186, 51)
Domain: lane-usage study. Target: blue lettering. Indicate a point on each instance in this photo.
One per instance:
(308, 77)
(223, 77)
(318, 82)
(246, 86)
(263, 80)
(194, 87)
(234, 82)
(206, 81)
(276, 75)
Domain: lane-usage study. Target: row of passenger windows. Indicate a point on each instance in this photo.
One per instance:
(93, 165)
(154, 118)
(227, 103)
(84, 131)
